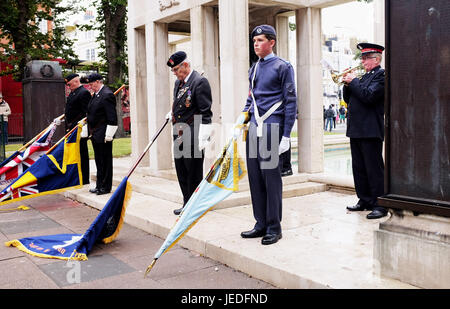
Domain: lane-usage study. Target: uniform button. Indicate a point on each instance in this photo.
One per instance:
(179, 116)
(180, 105)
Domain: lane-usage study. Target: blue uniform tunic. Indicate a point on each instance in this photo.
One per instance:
(274, 82)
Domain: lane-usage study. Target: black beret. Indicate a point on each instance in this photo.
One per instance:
(263, 29)
(176, 59)
(93, 77)
(367, 48)
(70, 77)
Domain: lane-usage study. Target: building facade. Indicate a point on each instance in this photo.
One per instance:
(219, 45)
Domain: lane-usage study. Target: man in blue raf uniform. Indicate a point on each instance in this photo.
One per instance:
(365, 127)
(76, 109)
(191, 113)
(271, 109)
(102, 125)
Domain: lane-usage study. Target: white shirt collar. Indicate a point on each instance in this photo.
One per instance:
(187, 77)
(271, 55)
(99, 89)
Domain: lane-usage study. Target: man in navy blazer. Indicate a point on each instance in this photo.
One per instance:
(76, 109)
(191, 119)
(102, 125)
(365, 128)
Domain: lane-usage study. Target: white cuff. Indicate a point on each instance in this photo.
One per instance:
(109, 134)
(204, 135)
(110, 130)
(84, 131)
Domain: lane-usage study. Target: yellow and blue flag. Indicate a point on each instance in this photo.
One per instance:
(221, 180)
(104, 228)
(26, 156)
(59, 169)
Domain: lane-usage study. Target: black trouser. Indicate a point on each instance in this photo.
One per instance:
(104, 163)
(84, 154)
(189, 172)
(266, 186)
(285, 159)
(368, 169)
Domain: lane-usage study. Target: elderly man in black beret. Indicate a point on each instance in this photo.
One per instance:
(365, 127)
(102, 125)
(76, 109)
(191, 113)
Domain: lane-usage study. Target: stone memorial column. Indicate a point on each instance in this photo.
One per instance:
(309, 90)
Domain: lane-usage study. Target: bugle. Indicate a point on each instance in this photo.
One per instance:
(337, 78)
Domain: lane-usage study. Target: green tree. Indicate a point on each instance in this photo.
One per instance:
(19, 28)
(111, 22)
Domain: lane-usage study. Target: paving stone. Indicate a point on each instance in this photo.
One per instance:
(21, 273)
(35, 224)
(65, 273)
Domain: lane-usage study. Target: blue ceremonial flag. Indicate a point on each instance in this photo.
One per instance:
(104, 228)
(58, 169)
(218, 184)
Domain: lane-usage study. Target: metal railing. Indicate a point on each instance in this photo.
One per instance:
(3, 137)
(15, 128)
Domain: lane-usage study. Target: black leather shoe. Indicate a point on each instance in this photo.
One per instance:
(286, 173)
(101, 192)
(93, 190)
(178, 211)
(269, 239)
(376, 214)
(253, 234)
(359, 207)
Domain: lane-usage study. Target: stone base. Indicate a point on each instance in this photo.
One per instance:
(414, 249)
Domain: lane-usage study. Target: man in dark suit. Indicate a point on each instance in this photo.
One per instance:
(76, 109)
(102, 125)
(191, 119)
(365, 127)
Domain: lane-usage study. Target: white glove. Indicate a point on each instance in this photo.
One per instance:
(57, 121)
(204, 134)
(284, 145)
(110, 131)
(236, 132)
(169, 115)
(84, 131)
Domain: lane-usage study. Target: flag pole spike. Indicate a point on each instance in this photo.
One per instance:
(149, 267)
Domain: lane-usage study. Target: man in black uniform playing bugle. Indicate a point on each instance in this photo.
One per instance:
(76, 109)
(191, 119)
(365, 127)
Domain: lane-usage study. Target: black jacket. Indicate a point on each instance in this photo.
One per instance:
(193, 98)
(365, 111)
(101, 112)
(76, 107)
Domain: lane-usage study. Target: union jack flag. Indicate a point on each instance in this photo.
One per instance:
(58, 169)
(21, 160)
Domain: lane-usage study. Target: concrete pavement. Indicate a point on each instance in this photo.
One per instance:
(118, 265)
(323, 245)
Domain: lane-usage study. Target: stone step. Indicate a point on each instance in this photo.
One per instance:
(168, 190)
(310, 254)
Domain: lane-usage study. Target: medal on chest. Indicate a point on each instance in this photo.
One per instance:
(188, 99)
(182, 92)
